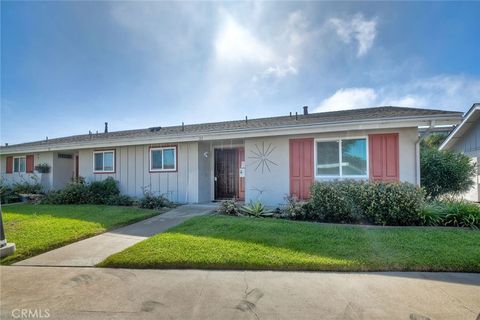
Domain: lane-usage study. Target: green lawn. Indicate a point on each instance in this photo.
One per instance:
(221, 242)
(38, 228)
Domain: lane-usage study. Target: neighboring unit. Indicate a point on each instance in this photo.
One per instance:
(265, 159)
(466, 139)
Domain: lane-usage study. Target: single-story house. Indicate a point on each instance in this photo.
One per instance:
(465, 138)
(249, 159)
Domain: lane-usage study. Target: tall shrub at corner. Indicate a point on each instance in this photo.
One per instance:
(445, 172)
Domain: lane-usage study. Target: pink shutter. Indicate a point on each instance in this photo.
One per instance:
(301, 167)
(29, 163)
(9, 166)
(384, 157)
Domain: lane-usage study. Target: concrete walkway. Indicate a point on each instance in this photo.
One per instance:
(89, 252)
(96, 293)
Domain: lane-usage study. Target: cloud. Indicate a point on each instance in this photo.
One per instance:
(349, 98)
(235, 44)
(237, 47)
(450, 92)
(356, 28)
(282, 70)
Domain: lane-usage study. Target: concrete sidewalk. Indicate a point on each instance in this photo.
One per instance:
(93, 250)
(97, 293)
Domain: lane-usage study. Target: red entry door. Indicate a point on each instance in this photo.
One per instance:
(77, 166)
(301, 167)
(384, 157)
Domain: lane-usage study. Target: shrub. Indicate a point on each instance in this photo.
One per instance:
(119, 200)
(73, 193)
(256, 209)
(53, 197)
(27, 188)
(151, 201)
(432, 214)
(334, 202)
(7, 195)
(445, 172)
(396, 203)
(101, 191)
(294, 209)
(229, 207)
(381, 203)
(455, 213)
(461, 214)
(97, 192)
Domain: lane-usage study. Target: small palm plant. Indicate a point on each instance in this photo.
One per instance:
(256, 209)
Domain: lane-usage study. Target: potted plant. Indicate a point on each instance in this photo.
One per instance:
(42, 168)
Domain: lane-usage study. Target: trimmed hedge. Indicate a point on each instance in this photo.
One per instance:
(97, 192)
(382, 203)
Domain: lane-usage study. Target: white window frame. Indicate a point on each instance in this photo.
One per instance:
(103, 164)
(174, 148)
(13, 164)
(341, 176)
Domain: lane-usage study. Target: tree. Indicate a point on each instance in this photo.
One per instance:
(444, 172)
(433, 140)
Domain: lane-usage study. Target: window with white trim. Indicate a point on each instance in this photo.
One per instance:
(20, 164)
(104, 161)
(341, 158)
(163, 159)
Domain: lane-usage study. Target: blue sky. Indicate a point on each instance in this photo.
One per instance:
(67, 67)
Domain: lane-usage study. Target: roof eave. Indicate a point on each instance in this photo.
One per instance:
(384, 123)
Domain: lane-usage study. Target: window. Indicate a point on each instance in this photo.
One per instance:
(20, 164)
(65, 156)
(344, 158)
(104, 161)
(163, 159)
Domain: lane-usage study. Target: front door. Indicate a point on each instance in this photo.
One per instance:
(225, 173)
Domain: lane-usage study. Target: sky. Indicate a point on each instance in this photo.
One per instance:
(68, 67)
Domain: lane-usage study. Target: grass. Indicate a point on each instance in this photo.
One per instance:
(38, 228)
(222, 242)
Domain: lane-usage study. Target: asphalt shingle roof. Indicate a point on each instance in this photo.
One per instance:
(377, 113)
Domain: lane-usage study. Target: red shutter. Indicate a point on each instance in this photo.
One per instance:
(384, 157)
(29, 163)
(301, 167)
(9, 166)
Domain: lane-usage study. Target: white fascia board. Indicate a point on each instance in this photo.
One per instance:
(448, 143)
(336, 126)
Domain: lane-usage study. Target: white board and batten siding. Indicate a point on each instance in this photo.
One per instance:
(469, 144)
(132, 170)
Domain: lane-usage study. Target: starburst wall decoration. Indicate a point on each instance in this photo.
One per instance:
(261, 159)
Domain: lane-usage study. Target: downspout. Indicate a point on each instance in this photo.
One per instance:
(417, 153)
(188, 173)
